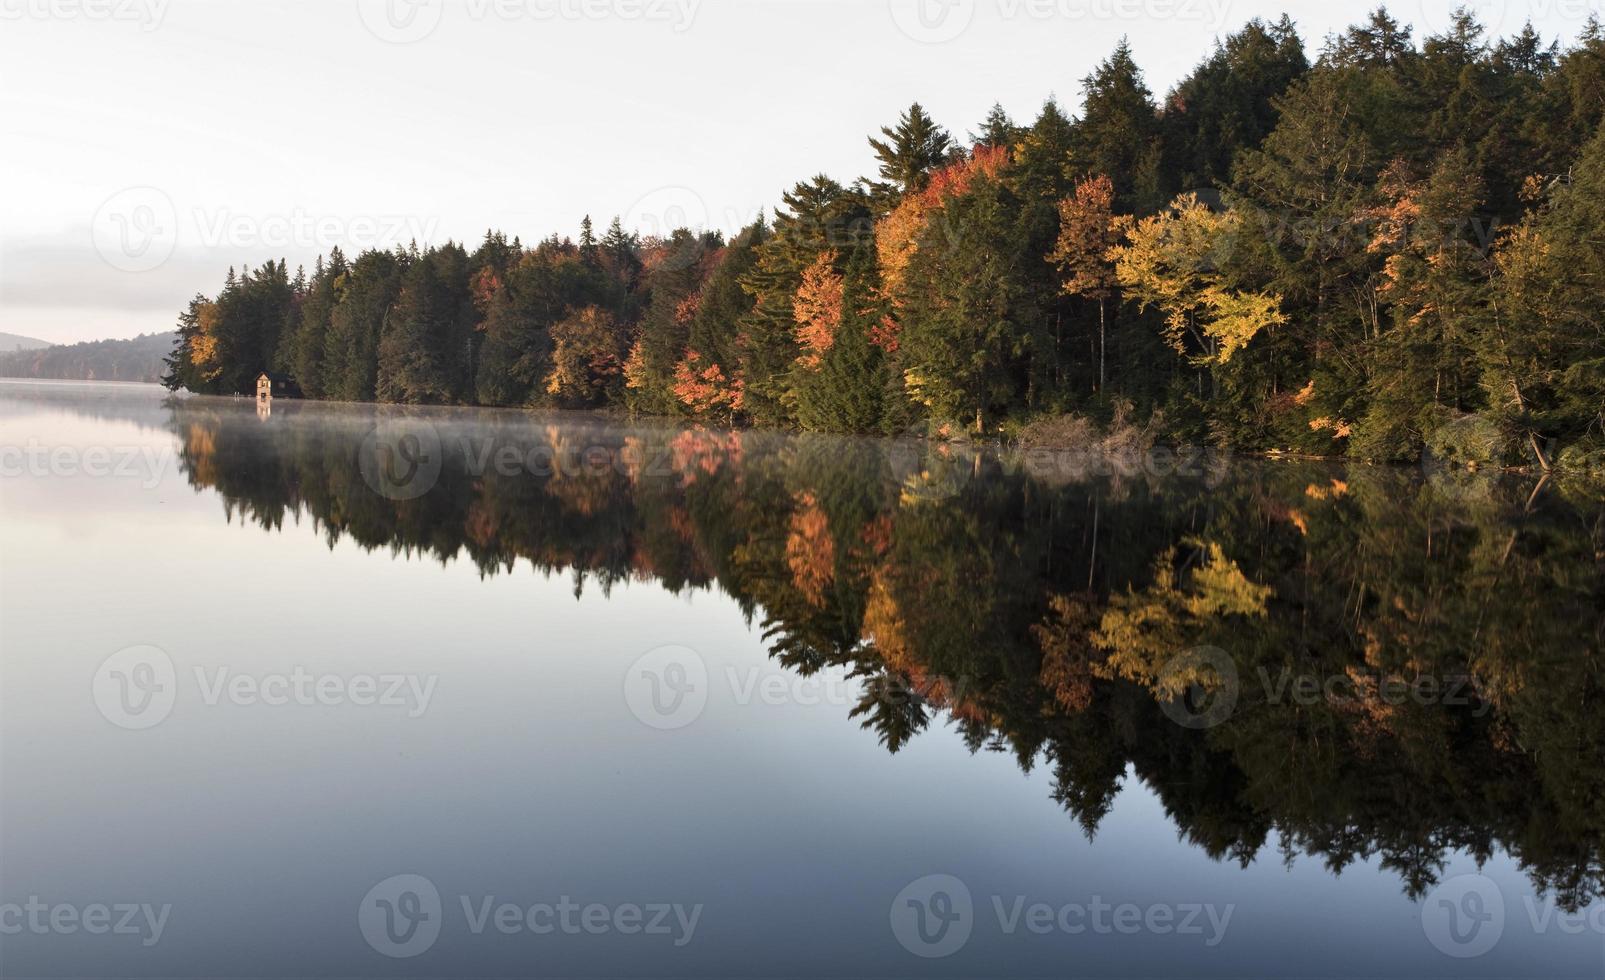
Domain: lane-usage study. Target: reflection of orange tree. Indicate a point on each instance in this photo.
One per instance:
(1041, 617)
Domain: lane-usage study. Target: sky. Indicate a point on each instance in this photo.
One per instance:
(147, 145)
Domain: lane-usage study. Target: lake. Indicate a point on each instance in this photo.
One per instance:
(310, 690)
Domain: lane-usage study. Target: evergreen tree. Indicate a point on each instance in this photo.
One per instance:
(309, 340)
(182, 371)
(352, 347)
(819, 215)
(1118, 133)
(907, 154)
(1435, 282)
(997, 129)
(426, 347)
(1227, 104)
(1543, 356)
(969, 315)
(1040, 166)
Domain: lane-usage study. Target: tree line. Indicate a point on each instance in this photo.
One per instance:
(138, 359)
(1385, 251)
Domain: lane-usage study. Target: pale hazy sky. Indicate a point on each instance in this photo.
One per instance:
(149, 144)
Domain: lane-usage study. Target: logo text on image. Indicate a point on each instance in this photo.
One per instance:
(37, 917)
(1465, 916)
(146, 14)
(410, 21)
(136, 229)
(667, 687)
(148, 464)
(935, 916)
(137, 688)
(403, 916)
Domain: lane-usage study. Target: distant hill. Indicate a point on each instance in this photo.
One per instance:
(139, 359)
(12, 342)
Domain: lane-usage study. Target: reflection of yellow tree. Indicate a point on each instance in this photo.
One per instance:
(1145, 631)
(200, 448)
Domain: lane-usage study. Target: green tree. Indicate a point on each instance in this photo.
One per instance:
(366, 291)
(1118, 132)
(1227, 104)
(907, 153)
(427, 344)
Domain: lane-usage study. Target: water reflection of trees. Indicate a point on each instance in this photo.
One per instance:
(1043, 612)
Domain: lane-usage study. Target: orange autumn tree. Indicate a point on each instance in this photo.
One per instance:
(703, 387)
(818, 310)
(1089, 231)
(897, 235)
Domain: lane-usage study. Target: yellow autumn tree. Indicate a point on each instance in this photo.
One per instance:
(204, 350)
(1169, 261)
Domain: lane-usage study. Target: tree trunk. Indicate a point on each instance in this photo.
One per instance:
(1102, 332)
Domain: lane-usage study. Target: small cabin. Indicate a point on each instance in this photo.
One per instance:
(271, 385)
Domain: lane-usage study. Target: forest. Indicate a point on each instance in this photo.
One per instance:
(1383, 251)
(139, 359)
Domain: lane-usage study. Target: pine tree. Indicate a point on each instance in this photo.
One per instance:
(1118, 132)
(1542, 356)
(425, 353)
(1041, 155)
(1423, 371)
(997, 130)
(1297, 196)
(589, 249)
(969, 315)
(1226, 105)
(818, 215)
(182, 371)
(310, 338)
(352, 361)
(907, 154)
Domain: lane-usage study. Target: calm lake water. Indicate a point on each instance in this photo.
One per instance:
(347, 691)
